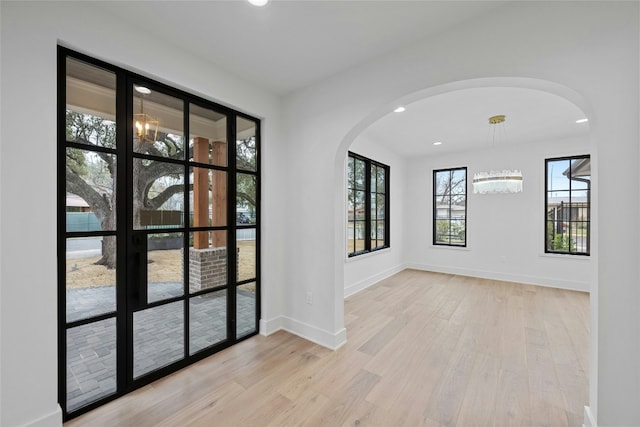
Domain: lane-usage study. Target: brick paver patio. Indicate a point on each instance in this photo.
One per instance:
(158, 335)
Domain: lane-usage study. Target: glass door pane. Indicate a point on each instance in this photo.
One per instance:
(90, 287)
(158, 126)
(207, 320)
(165, 272)
(207, 136)
(158, 194)
(158, 337)
(245, 309)
(246, 152)
(91, 362)
(89, 262)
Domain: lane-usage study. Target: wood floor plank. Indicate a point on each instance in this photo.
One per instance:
(479, 398)
(513, 406)
(345, 399)
(447, 399)
(306, 407)
(424, 349)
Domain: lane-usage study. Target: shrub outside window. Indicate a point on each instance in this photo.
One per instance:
(450, 207)
(367, 205)
(568, 205)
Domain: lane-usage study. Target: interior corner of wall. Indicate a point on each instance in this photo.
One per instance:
(589, 419)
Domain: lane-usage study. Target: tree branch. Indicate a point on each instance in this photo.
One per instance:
(99, 204)
(156, 170)
(159, 200)
(246, 197)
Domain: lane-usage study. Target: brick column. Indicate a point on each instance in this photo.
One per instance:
(208, 261)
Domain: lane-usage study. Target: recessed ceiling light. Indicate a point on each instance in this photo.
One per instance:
(582, 121)
(437, 143)
(259, 3)
(399, 110)
(143, 90)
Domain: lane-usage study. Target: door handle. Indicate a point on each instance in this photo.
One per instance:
(139, 270)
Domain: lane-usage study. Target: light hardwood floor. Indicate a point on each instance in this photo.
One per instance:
(424, 349)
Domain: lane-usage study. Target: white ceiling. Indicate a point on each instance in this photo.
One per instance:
(288, 45)
(460, 120)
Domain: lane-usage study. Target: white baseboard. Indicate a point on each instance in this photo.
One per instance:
(372, 280)
(589, 420)
(54, 419)
(332, 341)
(529, 280)
(268, 327)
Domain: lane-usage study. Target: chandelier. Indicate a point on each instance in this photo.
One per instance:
(145, 126)
(505, 181)
(497, 181)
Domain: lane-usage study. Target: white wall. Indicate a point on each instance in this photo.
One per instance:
(586, 52)
(364, 270)
(505, 232)
(30, 33)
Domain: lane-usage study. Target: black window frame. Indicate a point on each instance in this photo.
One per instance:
(450, 218)
(570, 222)
(369, 164)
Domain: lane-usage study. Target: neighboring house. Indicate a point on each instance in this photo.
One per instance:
(77, 204)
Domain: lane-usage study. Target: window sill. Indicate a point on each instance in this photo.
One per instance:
(565, 256)
(367, 255)
(452, 248)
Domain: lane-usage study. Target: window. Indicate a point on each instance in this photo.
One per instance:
(450, 207)
(368, 205)
(567, 205)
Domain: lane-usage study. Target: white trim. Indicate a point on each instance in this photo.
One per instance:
(54, 419)
(589, 420)
(566, 256)
(372, 280)
(494, 275)
(451, 247)
(268, 327)
(332, 341)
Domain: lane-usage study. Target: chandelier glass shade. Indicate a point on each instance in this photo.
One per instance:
(497, 181)
(505, 181)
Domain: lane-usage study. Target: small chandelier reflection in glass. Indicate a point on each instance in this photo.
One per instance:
(504, 181)
(146, 127)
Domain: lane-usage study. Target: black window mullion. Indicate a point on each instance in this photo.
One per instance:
(232, 251)
(367, 206)
(387, 206)
(186, 227)
(450, 205)
(125, 351)
(258, 291)
(123, 144)
(61, 246)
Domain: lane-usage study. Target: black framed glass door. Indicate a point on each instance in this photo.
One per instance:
(159, 230)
